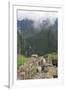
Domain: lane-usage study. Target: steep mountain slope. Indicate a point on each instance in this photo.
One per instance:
(41, 41)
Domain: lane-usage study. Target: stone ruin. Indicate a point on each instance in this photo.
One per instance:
(37, 65)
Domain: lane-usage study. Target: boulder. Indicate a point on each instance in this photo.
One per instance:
(39, 69)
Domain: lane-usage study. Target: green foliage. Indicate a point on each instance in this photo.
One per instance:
(20, 60)
(41, 41)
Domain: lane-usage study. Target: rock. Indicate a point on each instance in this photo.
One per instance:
(52, 72)
(22, 74)
(34, 55)
(39, 69)
(42, 61)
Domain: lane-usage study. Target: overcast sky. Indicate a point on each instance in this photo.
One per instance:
(36, 15)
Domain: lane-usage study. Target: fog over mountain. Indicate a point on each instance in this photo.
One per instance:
(38, 30)
(37, 17)
(27, 24)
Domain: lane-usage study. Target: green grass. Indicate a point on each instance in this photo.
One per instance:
(20, 60)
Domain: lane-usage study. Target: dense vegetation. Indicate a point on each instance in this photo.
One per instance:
(41, 40)
(20, 60)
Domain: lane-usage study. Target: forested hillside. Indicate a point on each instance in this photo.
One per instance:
(40, 40)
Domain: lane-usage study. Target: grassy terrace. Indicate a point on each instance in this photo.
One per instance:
(21, 60)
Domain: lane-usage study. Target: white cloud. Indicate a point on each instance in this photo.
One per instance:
(36, 15)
